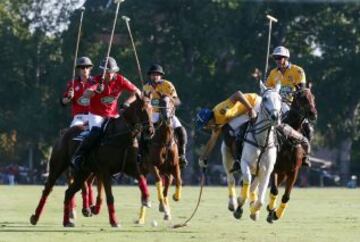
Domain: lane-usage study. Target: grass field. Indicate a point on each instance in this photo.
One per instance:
(312, 215)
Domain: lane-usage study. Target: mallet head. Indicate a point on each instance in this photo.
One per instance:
(125, 18)
(82, 9)
(271, 18)
(119, 1)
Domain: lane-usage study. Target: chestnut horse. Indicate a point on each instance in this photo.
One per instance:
(290, 155)
(161, 158)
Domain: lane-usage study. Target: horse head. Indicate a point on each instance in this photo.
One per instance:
(139, 115)
(166, 109)
(271, 103)
(304, 104)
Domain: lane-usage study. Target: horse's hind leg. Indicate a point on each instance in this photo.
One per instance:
(69, 194)
(228, 161)
(54, 174)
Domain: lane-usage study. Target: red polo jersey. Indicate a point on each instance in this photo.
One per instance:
(79, 104)
(105, 104)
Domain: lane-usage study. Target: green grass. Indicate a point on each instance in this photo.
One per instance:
(312, 215)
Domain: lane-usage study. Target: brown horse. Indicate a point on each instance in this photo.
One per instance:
(290, 156)
(162, 159)
(116, 153)
(58, 164)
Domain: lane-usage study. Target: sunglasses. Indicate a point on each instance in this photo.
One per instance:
(84, 67)
(278, 57)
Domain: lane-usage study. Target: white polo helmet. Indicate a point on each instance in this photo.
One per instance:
(281, 51)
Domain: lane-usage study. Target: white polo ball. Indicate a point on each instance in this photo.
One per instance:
(154, 223)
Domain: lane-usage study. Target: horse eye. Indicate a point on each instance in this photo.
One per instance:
(265, 99)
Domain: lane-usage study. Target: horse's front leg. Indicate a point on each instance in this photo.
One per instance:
(265, 169)
(159, 188)
(95, 209)
(176, 172)
(106, 178)
(245, 188)
(228, 162)
(290, 182)
(167, 182)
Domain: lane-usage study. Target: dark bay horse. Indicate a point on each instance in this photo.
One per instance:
(58, 164)
(290, 155)
(162, 159)
(116, 153)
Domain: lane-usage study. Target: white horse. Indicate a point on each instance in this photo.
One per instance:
(259, 152)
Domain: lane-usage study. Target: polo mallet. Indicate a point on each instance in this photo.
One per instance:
(111, 38)
(82, 10)
(202, 183)
(271, 20)
(127, 20)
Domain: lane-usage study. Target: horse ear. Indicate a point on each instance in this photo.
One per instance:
(138, 96)
(278, 86)
(262, 87)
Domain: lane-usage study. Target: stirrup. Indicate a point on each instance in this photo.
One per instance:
(76, 162)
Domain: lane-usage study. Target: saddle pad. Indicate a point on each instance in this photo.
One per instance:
(81, 136)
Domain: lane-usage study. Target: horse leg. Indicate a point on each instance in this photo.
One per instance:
(245, 189)
(159, 188)
(228, 162)
(167, 211)
(263, 176)
(69, 194)
(254, 190)
(110, 200)
(99, 199)
(86, 211)
(89, 182)
(291, 178)
(274, 191)
(145, 201)
(178, 183)
(54, 174)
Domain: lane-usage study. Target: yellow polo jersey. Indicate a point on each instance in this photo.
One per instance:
(293, 76)
(225, 111)
(165, 88)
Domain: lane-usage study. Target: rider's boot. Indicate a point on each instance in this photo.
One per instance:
(86, 145)
(182, 139)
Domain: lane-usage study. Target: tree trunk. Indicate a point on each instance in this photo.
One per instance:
(344, 159)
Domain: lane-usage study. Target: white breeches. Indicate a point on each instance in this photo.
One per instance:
(175, 121)
(79, 119)
(95, 120)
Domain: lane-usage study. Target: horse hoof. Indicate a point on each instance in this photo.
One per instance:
(140, 222)
(231, 207)
(269, 218)
(146, 203)
(238, 212)
(33, 219)
(161, 207)
(254, 216)
(115, 225)
(94, 210)
(86, 212)
(175, 198)
(167, 217)
(69, 225)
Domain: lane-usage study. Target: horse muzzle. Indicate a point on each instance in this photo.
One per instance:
(275, 117)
